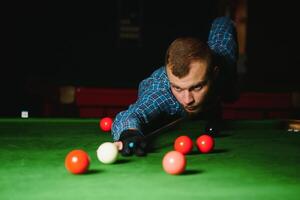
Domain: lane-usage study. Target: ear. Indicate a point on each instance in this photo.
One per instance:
(216, 72)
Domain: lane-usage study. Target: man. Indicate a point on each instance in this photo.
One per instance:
(196, 79)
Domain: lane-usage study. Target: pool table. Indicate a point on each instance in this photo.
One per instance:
(251, 160)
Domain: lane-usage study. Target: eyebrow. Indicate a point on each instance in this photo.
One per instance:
(192, 86)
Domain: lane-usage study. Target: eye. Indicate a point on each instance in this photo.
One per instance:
(177, 89)
(198, 87)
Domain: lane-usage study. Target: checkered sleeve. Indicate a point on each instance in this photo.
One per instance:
(154, 99)
(143, 111)
(222, 39)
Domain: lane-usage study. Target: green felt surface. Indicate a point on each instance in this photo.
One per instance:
(251, 160)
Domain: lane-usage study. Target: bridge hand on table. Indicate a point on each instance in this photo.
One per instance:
(132, 142)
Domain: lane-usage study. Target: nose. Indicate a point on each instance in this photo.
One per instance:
(187, 98)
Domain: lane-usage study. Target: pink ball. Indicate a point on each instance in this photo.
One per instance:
(174, 162)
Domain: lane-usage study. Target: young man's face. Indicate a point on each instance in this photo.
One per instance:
(191, 91)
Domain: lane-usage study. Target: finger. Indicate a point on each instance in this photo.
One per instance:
(119, 145)
(140, 151)
(126, 151)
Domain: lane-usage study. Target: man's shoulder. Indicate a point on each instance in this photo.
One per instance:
(157, 82)
(159, 73)
(158, 77)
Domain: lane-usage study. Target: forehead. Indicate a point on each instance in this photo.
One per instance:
(197, 74)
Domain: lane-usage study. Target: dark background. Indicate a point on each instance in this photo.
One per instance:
(46, 45)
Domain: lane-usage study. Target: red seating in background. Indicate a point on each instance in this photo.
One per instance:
(257, 100)
(99, 102)
(254, 105)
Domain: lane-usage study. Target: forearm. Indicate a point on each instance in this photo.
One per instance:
(222, 39)
(125, 121)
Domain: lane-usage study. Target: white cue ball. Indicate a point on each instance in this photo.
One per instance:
(107, 153)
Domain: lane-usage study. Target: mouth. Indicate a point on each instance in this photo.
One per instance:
(191, 109)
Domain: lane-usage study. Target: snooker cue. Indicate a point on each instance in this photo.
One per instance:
(119, 144)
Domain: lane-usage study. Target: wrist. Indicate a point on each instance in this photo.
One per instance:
(130, 133)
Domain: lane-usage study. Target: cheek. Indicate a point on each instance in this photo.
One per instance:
(176, 95)
(201, 95)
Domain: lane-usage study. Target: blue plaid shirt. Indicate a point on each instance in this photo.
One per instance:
(154, 94)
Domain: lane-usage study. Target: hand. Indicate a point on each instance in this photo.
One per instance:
(133, 143)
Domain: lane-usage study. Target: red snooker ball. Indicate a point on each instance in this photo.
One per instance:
(77, 161)
(205, 143)
(174, 163)
(183, 144)
(105, 123)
